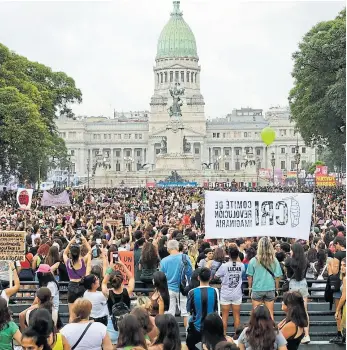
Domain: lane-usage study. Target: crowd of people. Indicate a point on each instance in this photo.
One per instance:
(177, 270)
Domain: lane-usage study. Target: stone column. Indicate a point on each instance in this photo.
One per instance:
(232, 165)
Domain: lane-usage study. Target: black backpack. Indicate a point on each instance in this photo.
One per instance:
(118, 310)
(184, 280)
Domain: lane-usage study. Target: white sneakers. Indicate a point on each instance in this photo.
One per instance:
(306, 339)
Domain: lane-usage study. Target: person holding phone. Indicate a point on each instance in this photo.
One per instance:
(77, 267)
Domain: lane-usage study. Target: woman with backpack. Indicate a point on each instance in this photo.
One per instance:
(118, 297)
(149, 262)
(214, 264)
(297, 266)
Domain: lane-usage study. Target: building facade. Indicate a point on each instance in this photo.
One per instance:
(127, 144)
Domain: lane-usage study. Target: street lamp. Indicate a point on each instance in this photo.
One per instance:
(273, 163)
(297, 157)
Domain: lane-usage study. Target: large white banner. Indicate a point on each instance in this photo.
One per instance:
(24, 198)
(251, 214)
(59, 200)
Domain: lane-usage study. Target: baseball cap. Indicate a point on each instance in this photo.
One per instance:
(44, 268)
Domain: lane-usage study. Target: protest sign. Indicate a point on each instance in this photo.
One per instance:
(127, 258)
(251, 214)
(24, 197)
(325, 181)
(129, 219)
(12, 245)
(58, 200)
(114, 222)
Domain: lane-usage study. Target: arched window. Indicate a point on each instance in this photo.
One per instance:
(165, 75)
(187, 77)
(171, 76)
(192, 80)
(161, 78)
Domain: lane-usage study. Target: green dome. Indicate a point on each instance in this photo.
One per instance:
(176, 39)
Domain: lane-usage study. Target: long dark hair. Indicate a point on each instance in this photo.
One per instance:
(160, 284)
(169, 333)
(75, 252)
(299, 261)
(130, 332)
(45, 296)
(45, 278)
(142, 316)
(321, 259)
(149, 255)
(296, 309)
(261, 329)
(312, 255)
(40, 328)
(213, 332)
(5, 316)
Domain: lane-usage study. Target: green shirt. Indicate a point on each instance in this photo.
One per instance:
(262, 280)
(6, 335)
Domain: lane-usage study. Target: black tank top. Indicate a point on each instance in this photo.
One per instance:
(292, 342)
(124, 297)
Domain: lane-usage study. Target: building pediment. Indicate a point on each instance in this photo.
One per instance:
(189, 132)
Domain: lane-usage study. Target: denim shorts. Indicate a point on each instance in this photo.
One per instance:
(299, 286)
(337, 295)
(267, 296)
(111, 332)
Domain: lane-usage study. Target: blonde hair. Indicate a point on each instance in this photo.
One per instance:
(266, 252)
(144, 302)
(81, 309)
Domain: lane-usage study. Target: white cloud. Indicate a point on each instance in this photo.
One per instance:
(109, 47)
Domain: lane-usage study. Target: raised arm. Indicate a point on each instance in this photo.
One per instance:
(13, 290)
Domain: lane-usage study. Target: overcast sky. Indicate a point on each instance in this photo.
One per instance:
(109, 48)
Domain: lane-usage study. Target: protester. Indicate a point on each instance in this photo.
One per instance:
(293, 326)
(82, 333)
(98, 299)
(9, 331)
(202, 301)
(6, 293)
(117, 295)
(148, 263)
(168, 333)
(172, 266)
(160, 299)
(76, 268)
(130, 333)
(297, 267)
(213, 332)
(264, 274)
(231, 289)
(261, 332)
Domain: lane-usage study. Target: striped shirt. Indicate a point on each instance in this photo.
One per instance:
(201, 302)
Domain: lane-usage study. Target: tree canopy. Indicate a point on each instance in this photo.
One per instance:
(318, 99)
(32, 96)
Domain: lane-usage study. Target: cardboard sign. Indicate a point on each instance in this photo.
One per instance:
(127, 258)
(251, 214)
(12, 245)
(114, 222)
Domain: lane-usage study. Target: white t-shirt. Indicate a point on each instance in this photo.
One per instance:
(99, 303)
(92, 340)
(4, 295)
(52, 286)
(33, 237)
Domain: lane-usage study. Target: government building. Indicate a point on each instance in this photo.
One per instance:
(140, 147)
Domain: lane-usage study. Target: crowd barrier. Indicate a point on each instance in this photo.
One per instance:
(322, 322)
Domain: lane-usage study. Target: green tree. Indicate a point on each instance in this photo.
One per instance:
(312, 167)
(318, 99)
(32, 96)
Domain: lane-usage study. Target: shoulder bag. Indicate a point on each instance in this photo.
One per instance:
(82, 335)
